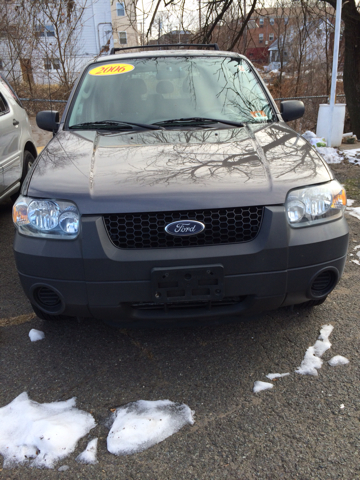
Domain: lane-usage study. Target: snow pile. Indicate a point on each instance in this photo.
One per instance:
(259, 386)
(276, 375)
(36, 335)
(338, 360)
(330, 155)
(40, 433)
(312, 361)
(353, 156)
(142, 424)
(88, 456)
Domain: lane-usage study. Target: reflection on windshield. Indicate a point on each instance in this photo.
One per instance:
(158, 89)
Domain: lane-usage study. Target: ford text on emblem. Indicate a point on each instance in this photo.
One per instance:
(182, 228)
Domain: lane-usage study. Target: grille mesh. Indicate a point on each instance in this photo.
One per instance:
(147, 230)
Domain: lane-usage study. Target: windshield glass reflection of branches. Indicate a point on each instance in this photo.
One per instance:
(158, 89)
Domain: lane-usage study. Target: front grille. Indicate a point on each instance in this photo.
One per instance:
(147, 230)
(225, 302)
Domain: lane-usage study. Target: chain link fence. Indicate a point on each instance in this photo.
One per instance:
(307, 122)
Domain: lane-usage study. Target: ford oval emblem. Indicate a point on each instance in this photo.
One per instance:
(183, 228)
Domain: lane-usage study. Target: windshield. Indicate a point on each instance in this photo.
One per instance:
(161, 89)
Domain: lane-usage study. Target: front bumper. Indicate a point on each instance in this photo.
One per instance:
(95, 279)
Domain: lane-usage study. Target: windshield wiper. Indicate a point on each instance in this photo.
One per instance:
(107, 124)
(199, 120)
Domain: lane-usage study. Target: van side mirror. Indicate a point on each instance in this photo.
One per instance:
(291, 110)
(48, 120)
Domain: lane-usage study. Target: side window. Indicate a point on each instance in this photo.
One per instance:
(4, 108)
(9, 88)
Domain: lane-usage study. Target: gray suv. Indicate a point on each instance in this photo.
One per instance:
(174, 190)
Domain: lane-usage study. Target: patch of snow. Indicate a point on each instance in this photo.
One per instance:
(353, 156)
(259, 386)
(312, 361)
(308, 135)
(40, 434)
(355, 212)
(36, 335)
(338, 360)
(325, 332)
(356, 261)
(88, 456)
(63, 468)
(330, 155)
(276, 375)
(142, 424)
(349, 202)
(320, 347)
(310, 364)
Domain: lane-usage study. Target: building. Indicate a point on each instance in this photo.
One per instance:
(50, 42)
(265, 27)
(124, 23)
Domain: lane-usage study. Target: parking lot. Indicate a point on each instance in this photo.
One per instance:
(304, 427)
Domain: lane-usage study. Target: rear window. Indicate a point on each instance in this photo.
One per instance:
(150, 90)
(9, 89)
(4, 108)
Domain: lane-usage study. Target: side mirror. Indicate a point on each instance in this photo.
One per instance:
(291, 110)
(48, 120)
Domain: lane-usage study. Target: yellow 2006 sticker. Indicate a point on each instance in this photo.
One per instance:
(112, 69)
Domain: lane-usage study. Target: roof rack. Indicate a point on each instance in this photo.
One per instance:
(215, 46)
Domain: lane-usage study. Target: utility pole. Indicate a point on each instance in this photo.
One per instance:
(334, 68)
(199, 15)
(244, 28)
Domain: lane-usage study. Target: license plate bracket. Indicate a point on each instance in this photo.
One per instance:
(187, 284)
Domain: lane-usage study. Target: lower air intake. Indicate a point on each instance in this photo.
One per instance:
(323, 283)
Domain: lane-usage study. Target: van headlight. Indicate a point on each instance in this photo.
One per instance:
(46, 218)
(316, 204)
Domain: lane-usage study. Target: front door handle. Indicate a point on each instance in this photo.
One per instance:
(15, 122)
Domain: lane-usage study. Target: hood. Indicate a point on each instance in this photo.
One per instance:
(165, 170)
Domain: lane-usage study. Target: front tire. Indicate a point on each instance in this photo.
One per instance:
(313, 303)
(29, 159)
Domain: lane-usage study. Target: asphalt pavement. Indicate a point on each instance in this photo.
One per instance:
(297, 430)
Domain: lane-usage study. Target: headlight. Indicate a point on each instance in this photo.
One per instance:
(318, 204)
(46, 218)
